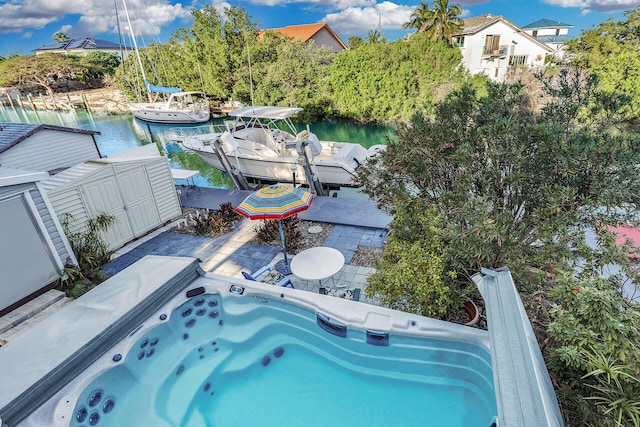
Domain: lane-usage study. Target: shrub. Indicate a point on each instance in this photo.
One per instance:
(409, 276)
(90, 250)
(596, 358)
(213, 222)
(228, 213)
(268, 233)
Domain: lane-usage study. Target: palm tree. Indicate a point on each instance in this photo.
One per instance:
(441, 22)
(419, 18)
(60, 37)
(375, 36)
(446, 20)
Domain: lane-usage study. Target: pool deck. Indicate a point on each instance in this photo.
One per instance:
(356, 223)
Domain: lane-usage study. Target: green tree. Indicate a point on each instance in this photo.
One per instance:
(393, 80)
(375, 36)
(103, 62)
(355, 42)
(420, 18)
(513, 187)
(60, 37)
(292, 73)
(610, 51)
(43, 70)
(409, 275)
(440, 22)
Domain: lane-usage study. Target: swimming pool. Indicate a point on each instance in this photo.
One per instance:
(265, 357)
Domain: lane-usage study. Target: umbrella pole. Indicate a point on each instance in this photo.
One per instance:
(280, 268)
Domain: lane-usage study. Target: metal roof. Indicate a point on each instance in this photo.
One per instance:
(524, 392)
(264, 112)
(13, 133)
(546, 23)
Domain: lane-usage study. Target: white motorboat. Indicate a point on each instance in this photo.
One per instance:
(179, 108)
(262, 144)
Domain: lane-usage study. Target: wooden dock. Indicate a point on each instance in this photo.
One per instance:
(106, 100)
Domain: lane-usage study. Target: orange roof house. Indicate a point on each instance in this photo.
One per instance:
(321, 34)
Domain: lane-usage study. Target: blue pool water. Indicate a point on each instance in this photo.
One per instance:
(216, 361)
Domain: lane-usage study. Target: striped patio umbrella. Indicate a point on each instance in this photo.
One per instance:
(276, 202)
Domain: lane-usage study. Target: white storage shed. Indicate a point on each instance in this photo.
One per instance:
(33, 246)
(42, 147)
(136, 187)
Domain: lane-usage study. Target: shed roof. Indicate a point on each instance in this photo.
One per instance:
(14, 133)
(85, 43)
(546, 23)
(77, 174)
(10, 176)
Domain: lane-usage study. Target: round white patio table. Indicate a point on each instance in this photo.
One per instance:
(318, 263)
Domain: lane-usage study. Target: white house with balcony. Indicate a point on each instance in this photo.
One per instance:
(494, 46)
(552, 33)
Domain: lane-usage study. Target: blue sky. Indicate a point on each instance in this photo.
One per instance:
(28, 24)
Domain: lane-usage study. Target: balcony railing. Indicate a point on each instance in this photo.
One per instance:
(490, 51)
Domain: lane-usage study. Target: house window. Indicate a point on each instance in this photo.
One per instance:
(517, 60)
(492, 45)
(458, 41)
(535, 33)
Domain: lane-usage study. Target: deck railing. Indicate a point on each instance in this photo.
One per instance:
(492, 51)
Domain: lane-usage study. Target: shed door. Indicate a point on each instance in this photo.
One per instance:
(138, 200)
(27, 261)
(104, 196)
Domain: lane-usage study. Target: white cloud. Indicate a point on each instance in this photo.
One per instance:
(147, 16)
(596, 5)
(358, 20)
(333, 4)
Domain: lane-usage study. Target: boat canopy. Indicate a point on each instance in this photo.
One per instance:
(161, 89)
(263, 112)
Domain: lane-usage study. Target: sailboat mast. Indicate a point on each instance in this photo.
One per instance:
(135, 45)
(250, 76)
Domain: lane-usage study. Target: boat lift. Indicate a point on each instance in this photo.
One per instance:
(312, 178)
(240, 181)
(234, 173)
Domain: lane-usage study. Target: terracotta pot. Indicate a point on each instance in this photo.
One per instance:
(472, 310)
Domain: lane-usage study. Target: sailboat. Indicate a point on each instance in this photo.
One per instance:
(175, 107)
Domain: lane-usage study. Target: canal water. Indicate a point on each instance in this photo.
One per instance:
(122, 132)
